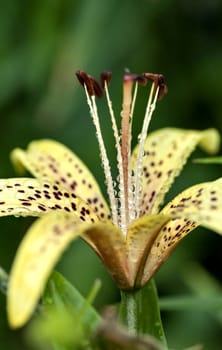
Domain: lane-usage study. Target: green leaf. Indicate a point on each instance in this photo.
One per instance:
(211, 160)
(67, 318)
(60, 292)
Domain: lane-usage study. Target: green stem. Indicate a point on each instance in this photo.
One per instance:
(139, 312)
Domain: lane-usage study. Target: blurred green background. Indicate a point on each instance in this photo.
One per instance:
(42, 44)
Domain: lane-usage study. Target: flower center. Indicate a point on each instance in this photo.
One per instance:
(125, 206)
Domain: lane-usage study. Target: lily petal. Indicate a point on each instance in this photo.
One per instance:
(111, 247)
(198, 205)
(35, 259)
(30, 197)
(166, 152)
(48, 159)
(140, 237)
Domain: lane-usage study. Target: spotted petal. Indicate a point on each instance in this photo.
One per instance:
(140, 237)
(166, 152)
(47, 159)
(41, 248)
(31, 197)
(198, 205)
(36, 256)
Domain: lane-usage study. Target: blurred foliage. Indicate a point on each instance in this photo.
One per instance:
(42, 44)
(62, 307)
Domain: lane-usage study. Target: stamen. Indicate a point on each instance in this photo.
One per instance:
(139, 164)
(130, 173)
(105, 78)
(159, 81)
(88, 81)
(119, 155)
(105, 161)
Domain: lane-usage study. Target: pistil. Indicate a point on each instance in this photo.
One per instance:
(126, 144)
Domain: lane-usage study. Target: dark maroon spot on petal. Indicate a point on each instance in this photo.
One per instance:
(66, 209)
(26, 204)
(2, 202)
(41, 208)
(74, 206)
(73, 185)
(21, 191)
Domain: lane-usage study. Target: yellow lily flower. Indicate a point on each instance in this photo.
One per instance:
(133, 237)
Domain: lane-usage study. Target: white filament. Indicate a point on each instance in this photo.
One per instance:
(130, 174)
(139, 164)
(122, 223)
(105, 161)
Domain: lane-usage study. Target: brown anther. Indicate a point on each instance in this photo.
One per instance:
(96, 87)
(105, 77)
(91, 84)
(141, 80)
(85, 81)
(82, 77)
(162, 87)
(159, 81)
